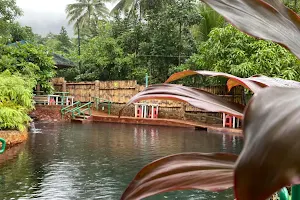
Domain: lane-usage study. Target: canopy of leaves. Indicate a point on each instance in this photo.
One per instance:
(30, 61)
(209, 19)
(83, 11)
(9, 10)
(64, 41)
(292, 4)
(104, 59)
(11, 31)
(229, 50)
(139, 7)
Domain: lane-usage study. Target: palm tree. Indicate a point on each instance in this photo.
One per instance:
(83, 11)
(210, 19)
(136, 5)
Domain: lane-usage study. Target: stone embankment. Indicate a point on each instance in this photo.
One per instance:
(14, 144)
(13, 138)
(48, 114)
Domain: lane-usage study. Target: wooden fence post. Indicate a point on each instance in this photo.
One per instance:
(64, 86)
(183, 109)
(38, 88)
(97, 89)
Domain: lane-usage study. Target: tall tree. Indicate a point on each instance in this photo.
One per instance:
(137, 6)
(19, 33)
(83, 11)
(9, 10)
(168, 41)
(64, 40)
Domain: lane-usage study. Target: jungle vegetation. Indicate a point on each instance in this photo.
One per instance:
(157, 37)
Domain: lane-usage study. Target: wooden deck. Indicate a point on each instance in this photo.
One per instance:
(102, 117)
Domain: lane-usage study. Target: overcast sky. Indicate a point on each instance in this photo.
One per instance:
(45, 16)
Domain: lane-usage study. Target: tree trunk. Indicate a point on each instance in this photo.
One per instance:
(89, 10)
(140, 11)
(180, 44)
(79, 52)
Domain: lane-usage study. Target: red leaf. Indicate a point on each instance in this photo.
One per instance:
(213, 172)
(232, 82)
(274, 82)
(254, 83)
(270, 157)
(198, 98)
(268, 19)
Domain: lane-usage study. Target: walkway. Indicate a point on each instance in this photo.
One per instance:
(104, 117)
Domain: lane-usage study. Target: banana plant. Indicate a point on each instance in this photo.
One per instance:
(269, 160)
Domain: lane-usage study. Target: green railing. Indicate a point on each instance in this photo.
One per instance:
(80, 111)
(100, 102)
(69, 109)
(3, 145)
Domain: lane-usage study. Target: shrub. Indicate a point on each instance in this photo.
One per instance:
(30, 61)
(15, 101)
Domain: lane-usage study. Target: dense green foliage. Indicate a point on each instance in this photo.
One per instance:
(61, 43)
(155, 37)
(15, 101)
(292, 4)
(30, 60)
(104, 59)
(9, 30)
(23, 64)
(163, 37)
(132, 47)
(229, 50)
(9, 10)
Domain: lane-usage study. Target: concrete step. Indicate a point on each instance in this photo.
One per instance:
(82, 120)
(82, 116)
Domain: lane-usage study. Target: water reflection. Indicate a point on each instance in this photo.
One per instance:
(231, 143)
(97, 161)
(140, 136)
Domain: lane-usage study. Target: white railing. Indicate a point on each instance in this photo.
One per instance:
(60, 100)
(143, 110)
(235, 121)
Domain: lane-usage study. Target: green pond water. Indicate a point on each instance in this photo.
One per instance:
(97, 161)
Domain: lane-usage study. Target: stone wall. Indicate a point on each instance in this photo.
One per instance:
(120, 92)
(204, 117)
(128, 111)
